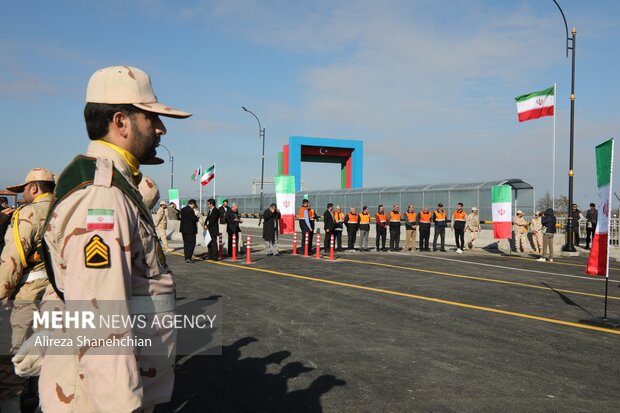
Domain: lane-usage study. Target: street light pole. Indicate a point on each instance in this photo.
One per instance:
(171, 158)
(261, 135)
(571, 173)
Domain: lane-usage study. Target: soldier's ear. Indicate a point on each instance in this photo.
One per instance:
(120, 122)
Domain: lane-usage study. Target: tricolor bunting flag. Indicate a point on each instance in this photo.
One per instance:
(501, 203)
(598, 261)
(196, 174)
(285, 200)
(536, 104)
(208, 175)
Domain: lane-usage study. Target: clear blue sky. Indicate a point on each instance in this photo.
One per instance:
(429, 85)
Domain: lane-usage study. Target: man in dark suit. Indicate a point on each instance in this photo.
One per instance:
(328, 225)
(189, 229)
(212, 224)
(271, 218)
(233, 220)
(223, 209)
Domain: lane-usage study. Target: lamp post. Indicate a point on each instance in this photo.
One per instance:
(261, 135)
(171, 158)
(571, 173)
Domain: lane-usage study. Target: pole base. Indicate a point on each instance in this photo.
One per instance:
(602, 322)
(569, 253)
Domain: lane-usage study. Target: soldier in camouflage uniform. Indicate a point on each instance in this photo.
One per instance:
(537, 232)
(520, 227)
(161, 222)
(22, 274)
(103, 246)
(473, 227)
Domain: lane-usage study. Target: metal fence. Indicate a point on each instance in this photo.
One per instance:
(614, 230)
(470, 194)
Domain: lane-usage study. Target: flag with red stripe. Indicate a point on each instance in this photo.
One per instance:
(285, 200)
(536, 104)
(501, 203)
(598, 261)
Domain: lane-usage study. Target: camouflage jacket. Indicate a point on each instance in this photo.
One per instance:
(103, 246)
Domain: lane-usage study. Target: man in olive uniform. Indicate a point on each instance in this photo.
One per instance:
(22, 273)
(161, 222)
(103, 246)
(473, 228)
(520, 227)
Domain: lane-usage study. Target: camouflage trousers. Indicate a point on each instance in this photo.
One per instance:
(161, 234)
(21, 319)
(521, 240)
(537, 237)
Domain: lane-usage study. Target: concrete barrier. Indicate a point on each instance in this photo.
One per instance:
(485, 238)
(174, 234)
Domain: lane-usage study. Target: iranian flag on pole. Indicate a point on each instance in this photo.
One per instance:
(598, 262)
(501, 203)
(196, 174)
(208, 175)
(285, 199)
(536, 104)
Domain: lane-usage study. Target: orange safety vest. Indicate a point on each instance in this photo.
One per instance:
(440, 216)
(338, 216)
(394, 216)
(364, 218)
(381, 217)
(411, 216)
(301, 212)
(425, 217)
(310, 213)
(352, 218)
(460, 216)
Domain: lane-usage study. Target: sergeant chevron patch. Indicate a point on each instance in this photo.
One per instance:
(96, 253)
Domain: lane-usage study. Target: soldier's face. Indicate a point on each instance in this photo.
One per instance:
(146, 132)
(31, 191)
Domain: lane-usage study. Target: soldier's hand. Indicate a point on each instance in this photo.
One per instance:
(7, 211)
(29, 358)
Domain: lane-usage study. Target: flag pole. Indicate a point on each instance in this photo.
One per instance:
(605, 204)
(555, 111)
(213, 180)
(611, 178)
(200, 189)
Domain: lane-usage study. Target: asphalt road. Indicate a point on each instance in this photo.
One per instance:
(401, 332)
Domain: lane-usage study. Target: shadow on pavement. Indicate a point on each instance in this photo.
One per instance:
(230, 383)
(567, 300)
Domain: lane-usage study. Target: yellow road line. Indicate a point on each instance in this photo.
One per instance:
(531, 259)
(424, 298)
(471, 277)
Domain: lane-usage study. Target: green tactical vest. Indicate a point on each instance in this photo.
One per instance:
(79, 174)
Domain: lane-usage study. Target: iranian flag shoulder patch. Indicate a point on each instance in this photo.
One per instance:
(100, 219)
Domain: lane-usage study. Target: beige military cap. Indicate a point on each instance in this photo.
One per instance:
(35, 174)
(127, 85)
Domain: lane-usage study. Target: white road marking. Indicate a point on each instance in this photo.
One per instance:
(513, 268)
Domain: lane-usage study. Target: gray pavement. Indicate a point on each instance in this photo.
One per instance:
(401, 332)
